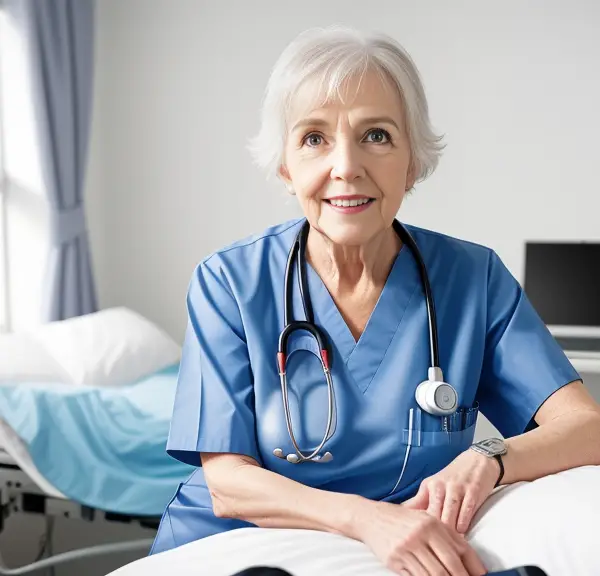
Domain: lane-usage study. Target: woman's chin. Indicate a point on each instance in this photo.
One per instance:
(348, 234)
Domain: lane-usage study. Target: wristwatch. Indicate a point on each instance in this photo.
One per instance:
(492, 448)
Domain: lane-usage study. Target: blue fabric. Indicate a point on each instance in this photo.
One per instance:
(494, 350)
(102, 447)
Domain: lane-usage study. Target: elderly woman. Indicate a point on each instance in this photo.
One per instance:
(334, 366)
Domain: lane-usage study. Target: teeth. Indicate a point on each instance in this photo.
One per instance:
(345, 203)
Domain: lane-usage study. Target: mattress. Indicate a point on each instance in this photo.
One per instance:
(6, 458)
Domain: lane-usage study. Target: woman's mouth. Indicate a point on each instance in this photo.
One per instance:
(349, 205)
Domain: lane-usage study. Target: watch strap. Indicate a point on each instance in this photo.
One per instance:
(501, 475)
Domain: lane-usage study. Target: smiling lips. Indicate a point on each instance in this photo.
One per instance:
(349, 204)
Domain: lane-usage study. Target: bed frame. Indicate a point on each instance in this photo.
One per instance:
(20, 495)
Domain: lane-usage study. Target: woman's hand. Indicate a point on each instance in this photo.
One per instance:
(455, 493)
(414, 543)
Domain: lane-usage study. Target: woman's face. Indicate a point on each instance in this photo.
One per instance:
(349, 162)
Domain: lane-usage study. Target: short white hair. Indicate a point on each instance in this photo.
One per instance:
(332, 55)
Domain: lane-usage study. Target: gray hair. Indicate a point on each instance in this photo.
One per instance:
(333, 55)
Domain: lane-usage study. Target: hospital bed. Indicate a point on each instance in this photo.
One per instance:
(24, 490)
(549, 523)
(70, 394)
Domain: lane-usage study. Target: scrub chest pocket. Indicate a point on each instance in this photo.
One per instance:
(438, 441)
(426, 430)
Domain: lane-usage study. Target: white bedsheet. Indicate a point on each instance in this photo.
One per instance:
(16, 449)
(550, 523)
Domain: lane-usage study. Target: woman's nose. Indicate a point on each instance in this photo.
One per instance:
(346, 161)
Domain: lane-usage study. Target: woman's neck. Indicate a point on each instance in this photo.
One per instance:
(347, 267)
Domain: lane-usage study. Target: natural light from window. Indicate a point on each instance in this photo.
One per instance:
(24, 206)
(4, 302)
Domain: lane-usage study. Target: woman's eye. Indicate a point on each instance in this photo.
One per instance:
(375, 136)
(379, 136)
(313, 139)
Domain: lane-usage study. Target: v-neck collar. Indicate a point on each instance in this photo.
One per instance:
(364, 357)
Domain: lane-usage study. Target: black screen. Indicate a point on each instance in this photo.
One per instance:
(563, 282)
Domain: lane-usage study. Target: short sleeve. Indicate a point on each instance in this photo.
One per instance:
(523, 364)
(214, 401)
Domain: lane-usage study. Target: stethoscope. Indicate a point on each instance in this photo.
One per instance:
(433, 395)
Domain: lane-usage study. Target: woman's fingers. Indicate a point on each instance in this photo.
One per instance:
(437, 495)
(469, 559)
(448, 554)
(469, 506)
(434, 564)
(473, 563)
(452, 505)
(420, 500)
(449, 503)
(411, 564)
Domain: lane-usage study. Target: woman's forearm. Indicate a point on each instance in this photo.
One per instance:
(567, 442)
(269, 500)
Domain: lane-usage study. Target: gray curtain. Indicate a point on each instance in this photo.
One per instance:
(59, 37)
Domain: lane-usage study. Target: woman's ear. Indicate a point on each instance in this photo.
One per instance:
(411, 176)
(285, 177)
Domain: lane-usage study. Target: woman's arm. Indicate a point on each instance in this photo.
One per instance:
(403, 539)
(242, 489)
(568, 436)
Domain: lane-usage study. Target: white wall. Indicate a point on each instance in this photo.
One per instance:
(512, 84)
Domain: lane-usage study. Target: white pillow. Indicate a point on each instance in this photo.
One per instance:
(112, 347)
(24, 359)
(549, 523)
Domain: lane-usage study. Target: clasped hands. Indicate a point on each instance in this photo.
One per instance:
(455, 493)
(424, 536)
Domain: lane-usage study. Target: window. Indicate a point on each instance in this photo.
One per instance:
(4, 293)
(23, 209)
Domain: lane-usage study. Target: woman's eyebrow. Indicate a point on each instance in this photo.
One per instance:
(314, 122)
(379, 120)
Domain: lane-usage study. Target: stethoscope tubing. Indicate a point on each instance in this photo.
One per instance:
(297, 254)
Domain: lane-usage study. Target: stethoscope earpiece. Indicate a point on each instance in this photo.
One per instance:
(295, 459)
(327, 457)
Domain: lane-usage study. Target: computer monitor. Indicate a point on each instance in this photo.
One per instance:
(562, 281)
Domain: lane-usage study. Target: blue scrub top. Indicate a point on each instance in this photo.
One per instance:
(494, 349)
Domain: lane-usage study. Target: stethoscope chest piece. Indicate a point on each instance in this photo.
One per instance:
(436, 396)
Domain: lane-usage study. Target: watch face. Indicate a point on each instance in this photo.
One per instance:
(492, 446)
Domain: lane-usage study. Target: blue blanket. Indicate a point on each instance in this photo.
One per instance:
(101, 447)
